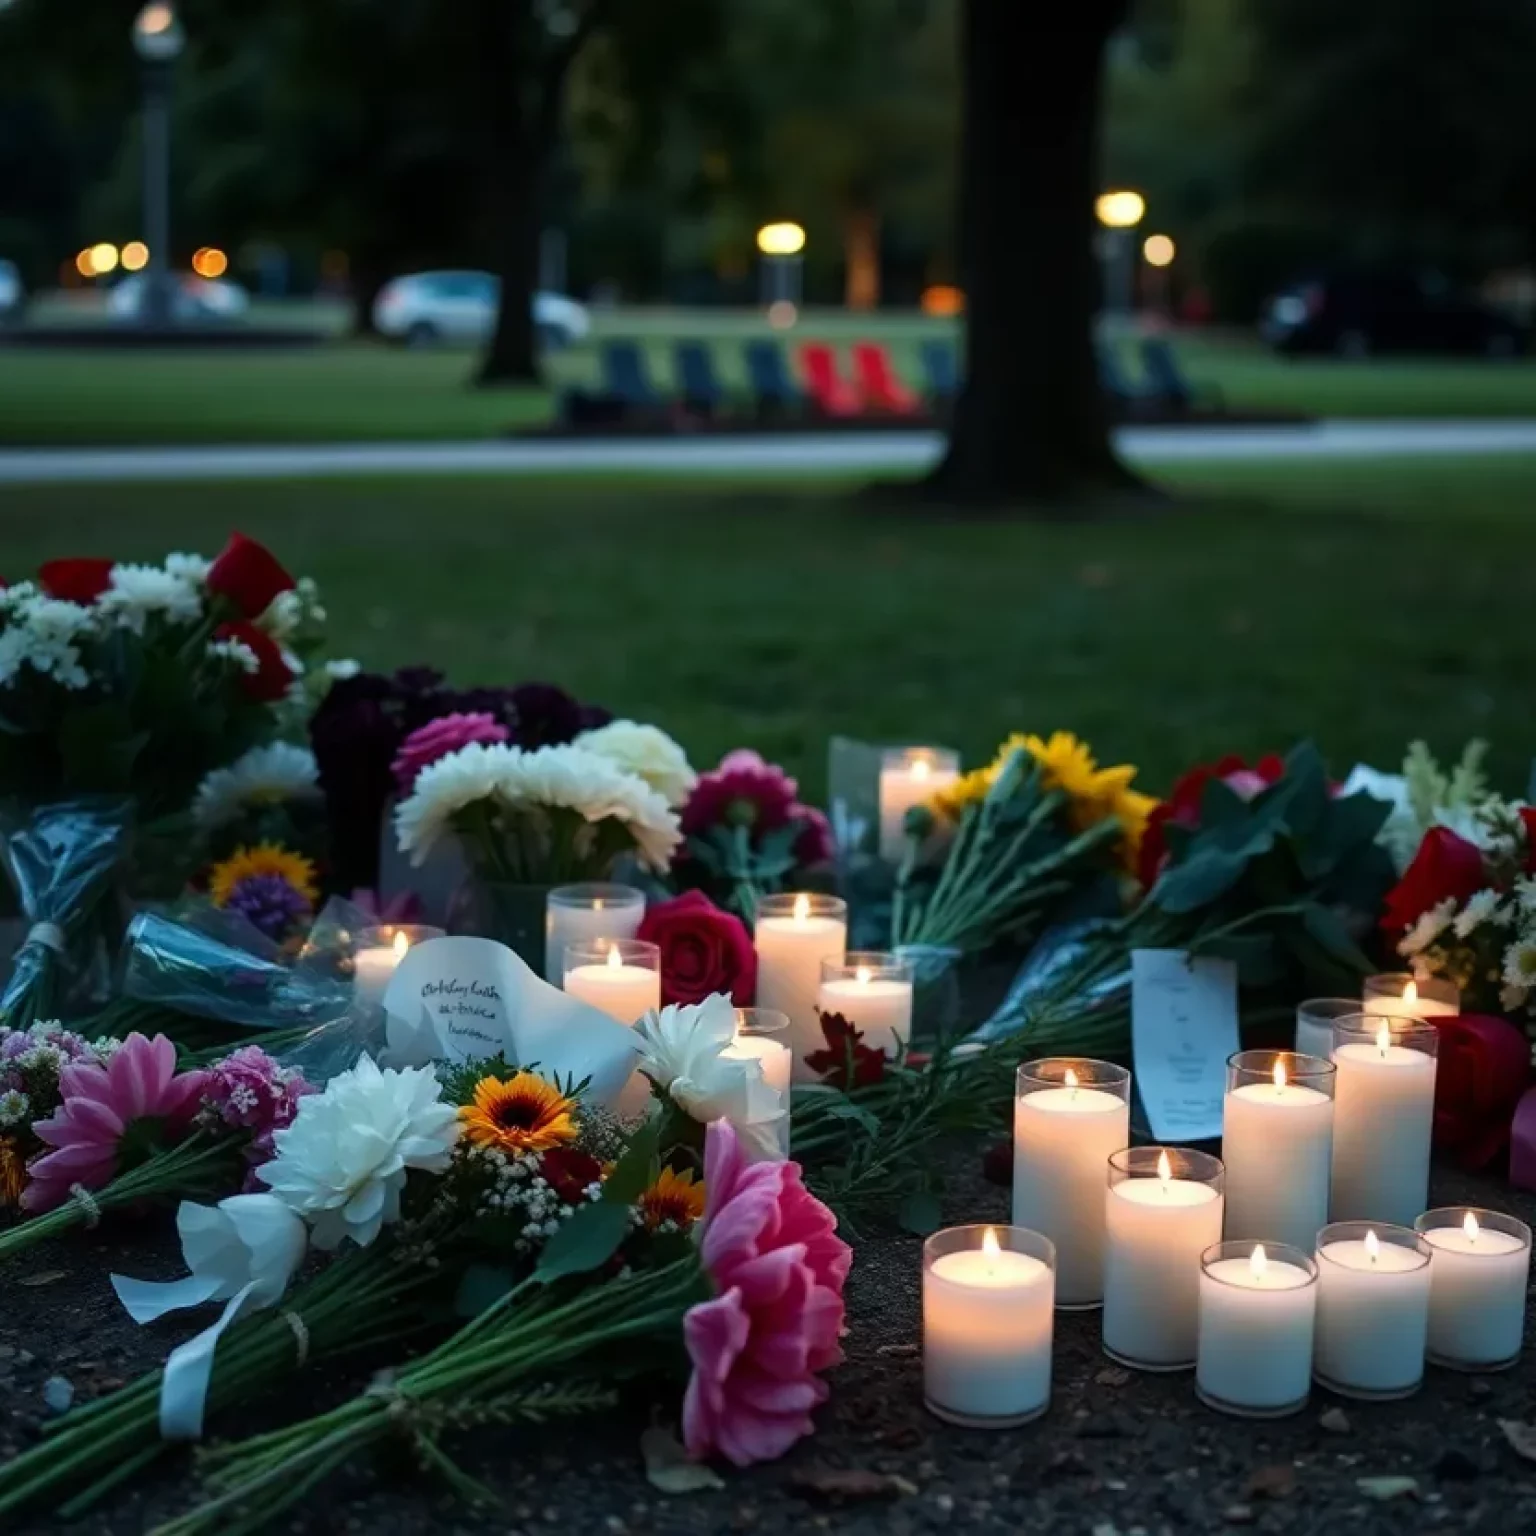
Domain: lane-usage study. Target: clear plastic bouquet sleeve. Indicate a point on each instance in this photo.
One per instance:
(1073, 971)
(63, 859)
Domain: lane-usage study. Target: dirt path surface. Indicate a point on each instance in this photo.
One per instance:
(1119, 1454)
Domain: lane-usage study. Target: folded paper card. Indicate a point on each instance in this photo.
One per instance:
(1183, 1029)
(464, 999)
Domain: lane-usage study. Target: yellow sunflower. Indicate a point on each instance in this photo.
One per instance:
(674, 1197)
(13, 1173)
(264, 859)
(524, 1113)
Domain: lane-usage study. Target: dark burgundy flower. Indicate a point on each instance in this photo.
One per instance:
(548, 716)
(80, 580)
(569, 1171)
(846, 1062)
(249, 575)
(1483, 1069)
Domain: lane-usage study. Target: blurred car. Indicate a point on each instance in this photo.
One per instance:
(1358, 315)
(425, 308)
(13, 297)
(194, 298)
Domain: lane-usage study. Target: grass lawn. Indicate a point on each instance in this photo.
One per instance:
(353, 391)
(1361, 603)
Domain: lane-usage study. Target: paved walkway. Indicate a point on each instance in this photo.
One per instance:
(811, 454)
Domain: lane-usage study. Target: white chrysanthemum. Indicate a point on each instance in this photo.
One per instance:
(339, 668)
(15, 1107)
(190, 568)
(275, 774)
(283, 615)
(682, 1051)
(1520, 963)
(1481, 908)
(237, 653)
(550, 778)
(45, 633)
(1430, 924)
(137, 591)
(342, 1163)
(646, 752)
(1513, 999)
(1525, 893)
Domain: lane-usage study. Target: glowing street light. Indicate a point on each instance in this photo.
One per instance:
(135, 256)
(781, 239)
(158, 41)
(1120, 210)
(781, 272)
(209, 261)
(1159, 250)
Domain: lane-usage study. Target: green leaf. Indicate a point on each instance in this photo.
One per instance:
(633, 1172)
(586, 1242)
(921, 1212)
(846, 1109)
(1221, 805)
(1327, 927)
(481, 1287)
(1208, 874)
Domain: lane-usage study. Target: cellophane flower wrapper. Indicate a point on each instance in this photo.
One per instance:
(63, 860)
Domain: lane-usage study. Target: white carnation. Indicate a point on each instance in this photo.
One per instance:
(284, 614)
(237, 653)
(1428, 927)
(1520, 963)
(342, 667)
(45, 633)
(1481, 908)
(271, 775)
(190, 568)
(646, 752)
(138, 591)
(343, 1162)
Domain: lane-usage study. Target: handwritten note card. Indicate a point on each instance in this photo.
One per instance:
(1183, 1029)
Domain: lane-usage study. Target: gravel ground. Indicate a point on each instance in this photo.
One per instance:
(1119, 1454)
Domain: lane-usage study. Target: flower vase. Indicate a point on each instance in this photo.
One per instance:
(514, 915)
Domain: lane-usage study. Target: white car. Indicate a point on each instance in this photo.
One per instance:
(196, 298)
(12, 294)
(425, 308)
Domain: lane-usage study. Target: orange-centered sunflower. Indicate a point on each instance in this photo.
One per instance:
(674, 1197)
(13, 1172)
(523, 1114)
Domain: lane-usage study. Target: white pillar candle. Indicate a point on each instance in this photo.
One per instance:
(773, 1054)
(1372, 1309)
(1397, 995)
(1156, 1228)
(1479, 1271)
(1315, 1019)
(378, 955)
(1277, 1144)
(582, 914)
(1383, 1118)
(910, 776)
(987, 1325)
(793, 935)
(623, 990)
(873, 991)
(1069, 1116)
(1258, 1307)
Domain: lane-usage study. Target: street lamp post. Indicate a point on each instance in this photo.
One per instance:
(1120, 213)
(781, 246)
(158, 41)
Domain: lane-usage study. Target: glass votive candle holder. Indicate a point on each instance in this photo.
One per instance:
(1070, 1113)
(1164, 1210)
(1372, 1309)
(765, 1140)
(989, 1296)
(1315, 1019)
(577, 914)
(1277, 1143)
(873, 991)
(762, 1035)
(620, 976)
(910, 776)
(793, 934)
(1384, 1116)
(1479, 1272)
(1399, 994)
(1258, 1311)
(377, 953)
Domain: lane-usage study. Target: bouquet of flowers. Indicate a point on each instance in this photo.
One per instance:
(1014, 840)
(121, 688)
(1425, 795)
(747, 833)
(270, 796)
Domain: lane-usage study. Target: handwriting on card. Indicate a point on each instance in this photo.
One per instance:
(1183, 1029)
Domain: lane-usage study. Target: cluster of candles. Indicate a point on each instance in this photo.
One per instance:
(1304, 1253)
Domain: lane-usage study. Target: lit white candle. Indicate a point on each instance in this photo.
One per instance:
(1063, 1136)
(910, 776)
(1372, 1309)
(987, 1325)
(1258, 1308)
(1479, 1271)
(1155, 1231)
(874, 993)
(1384, 1107)
(623, 991)
(1315, 1019)
(582, 914)
(1397, 995)
(1277, 1144)
(378, 955)
(793, 935)
(774, 1054)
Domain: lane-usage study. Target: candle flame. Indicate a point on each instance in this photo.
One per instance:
(597, 903)
(1279, 1079)
(1411, 992)
(615, 959)
(1384, 1038)
(402, 943)
(1372, 1245)
(863, 975)
(802, 908)
(990, 1245)
(1470, 1227)
(1164, 1168)
(1258, 1261)
(920, 768)
(1071, 1079)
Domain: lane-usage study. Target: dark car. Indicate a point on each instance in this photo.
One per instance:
(1356, 316)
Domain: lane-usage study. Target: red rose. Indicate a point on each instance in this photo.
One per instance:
(1484, 1066)
(248, 574)
(76, 581)
(703, 950)
(1528, 821)
(269, 682)
(1445, 865)
(1182, 807)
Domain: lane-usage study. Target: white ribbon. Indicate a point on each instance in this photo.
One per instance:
(242, 1252)
(49, 935)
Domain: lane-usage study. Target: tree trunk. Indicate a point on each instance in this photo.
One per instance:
(861, 258)
(1030, 423)
(513, 354)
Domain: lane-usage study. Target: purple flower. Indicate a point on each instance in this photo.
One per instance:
(437, 739)
(269, 904)
(548, 716)
(248, 1091)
